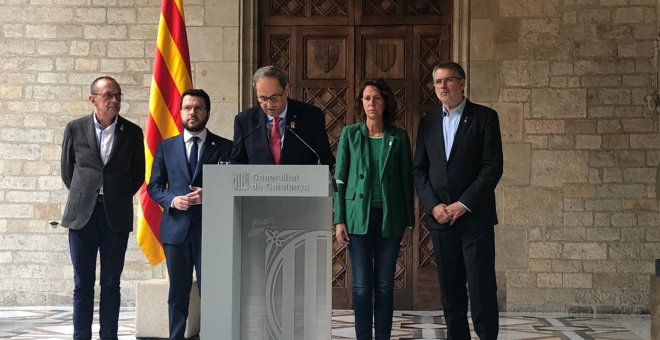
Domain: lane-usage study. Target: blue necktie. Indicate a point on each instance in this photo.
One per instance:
(192, 158)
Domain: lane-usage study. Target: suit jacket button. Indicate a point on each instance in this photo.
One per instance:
(361, 176)
(361, 196)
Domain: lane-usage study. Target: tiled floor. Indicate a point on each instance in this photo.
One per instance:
(55, 323)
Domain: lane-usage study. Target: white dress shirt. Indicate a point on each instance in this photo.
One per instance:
(187, 135)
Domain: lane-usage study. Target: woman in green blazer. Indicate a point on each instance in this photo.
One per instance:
(374, 204)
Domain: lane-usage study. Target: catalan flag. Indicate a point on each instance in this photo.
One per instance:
(171, 78)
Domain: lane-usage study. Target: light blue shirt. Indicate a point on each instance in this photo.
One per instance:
(105, 136)
(450, 122)
(282, 125)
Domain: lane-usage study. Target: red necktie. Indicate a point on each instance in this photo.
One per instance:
(275, 140)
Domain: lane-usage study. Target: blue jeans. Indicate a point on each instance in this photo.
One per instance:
(373, 262)
(84, 244)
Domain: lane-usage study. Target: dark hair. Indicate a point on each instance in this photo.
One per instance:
(92, 88)
(271, 72)
(391, 108)
(450, 65)
(197, 93)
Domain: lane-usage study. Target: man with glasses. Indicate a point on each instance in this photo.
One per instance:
(279, 130)
(176, 184)
(458, 163)
(102, 165)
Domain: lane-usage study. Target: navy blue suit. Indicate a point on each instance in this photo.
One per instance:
(181, 231)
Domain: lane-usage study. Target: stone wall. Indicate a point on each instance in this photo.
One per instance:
(578, 200)
(50, 51)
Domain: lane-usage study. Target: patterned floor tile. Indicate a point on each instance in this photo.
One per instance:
(54, 323)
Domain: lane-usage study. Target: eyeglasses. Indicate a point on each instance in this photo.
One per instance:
(109, 95)
(189, 108)
(273, 99)
(448, 80)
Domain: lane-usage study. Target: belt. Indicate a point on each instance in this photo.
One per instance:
(100, 199)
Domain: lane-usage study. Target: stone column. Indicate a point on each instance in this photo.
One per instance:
(655, 280)
(655, 302)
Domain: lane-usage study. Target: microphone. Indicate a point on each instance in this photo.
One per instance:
(224, 156)
(318, 158)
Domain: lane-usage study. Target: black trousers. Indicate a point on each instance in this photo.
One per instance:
(465, 254)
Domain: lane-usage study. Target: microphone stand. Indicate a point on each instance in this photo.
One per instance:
(333, 183)
(318, 158)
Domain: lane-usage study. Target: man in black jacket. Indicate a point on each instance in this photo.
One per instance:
(279, 130)
(458, 163)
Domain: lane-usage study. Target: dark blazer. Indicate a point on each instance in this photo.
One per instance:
(352, 200)
(472, 171)
(171, 177)
(83, 173)
(251, 136)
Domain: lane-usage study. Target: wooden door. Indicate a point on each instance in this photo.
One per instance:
(330, 47)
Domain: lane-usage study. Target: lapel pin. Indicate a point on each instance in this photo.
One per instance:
(465, 120)
(390, 143)
(213, 143)
(293, 125)
(121, 127)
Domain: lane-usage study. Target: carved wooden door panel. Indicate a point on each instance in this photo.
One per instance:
(330, 47)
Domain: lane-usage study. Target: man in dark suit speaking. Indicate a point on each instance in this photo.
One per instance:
(279, 130)
(458, 162)
(102, 165)
(176, 184)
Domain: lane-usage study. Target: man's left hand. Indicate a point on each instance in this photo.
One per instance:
(455, 210)
(195, 195)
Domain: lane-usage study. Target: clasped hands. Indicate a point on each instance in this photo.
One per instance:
(184, 202)
(448, 213)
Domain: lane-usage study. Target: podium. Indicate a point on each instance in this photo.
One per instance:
(266, 252)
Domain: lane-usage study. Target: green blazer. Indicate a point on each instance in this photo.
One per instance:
(353, 197)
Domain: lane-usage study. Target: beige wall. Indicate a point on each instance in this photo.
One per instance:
(50, 51)
(578, 201)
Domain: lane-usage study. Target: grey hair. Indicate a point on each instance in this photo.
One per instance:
(271, 72)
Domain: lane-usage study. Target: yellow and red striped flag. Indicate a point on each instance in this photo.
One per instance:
(172, 76)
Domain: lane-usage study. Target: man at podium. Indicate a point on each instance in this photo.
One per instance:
(279, 130)
(176, 184)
